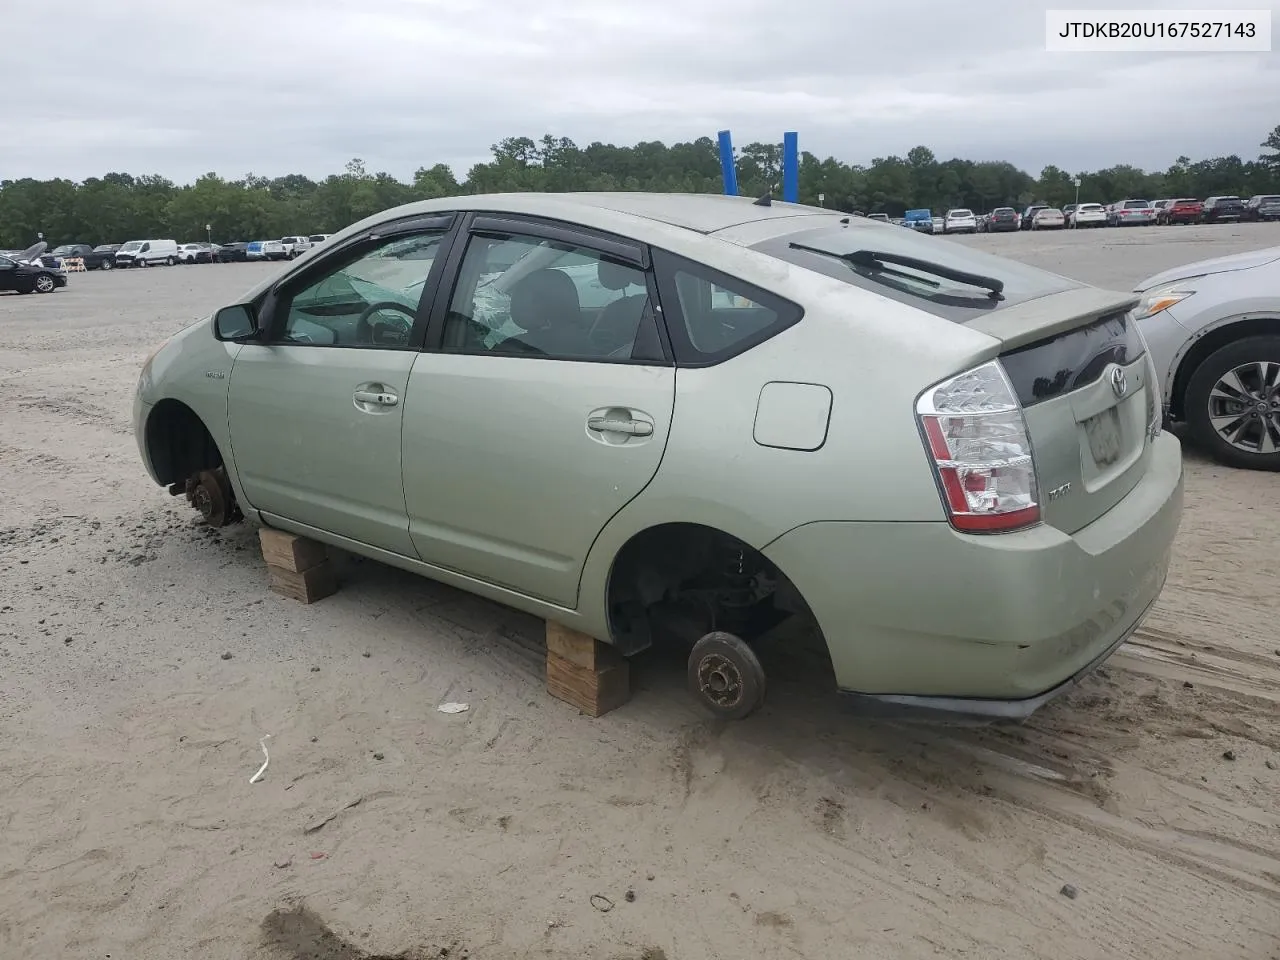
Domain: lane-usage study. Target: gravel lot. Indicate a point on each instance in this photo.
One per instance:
(128, 735)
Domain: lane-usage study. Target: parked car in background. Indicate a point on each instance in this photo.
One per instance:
(108, 250)
(23, 272)
(1182, 210)
(265, 250)
(1131, 213)
(1048, 218)
(1027, 215)
(1159, 207)
(147, 253)
(295, 246)
(1001, 220)
(1026, 483)
(233, 252)
(1212, 328)
(1221, 210)
(1262, 207)
(882, 217)
(959, 220)
(319, 238)
(92, 258)
(196, 253)
(1088, 215)
(921, 220)
(937, 224)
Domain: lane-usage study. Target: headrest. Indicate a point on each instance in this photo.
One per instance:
(615, 276)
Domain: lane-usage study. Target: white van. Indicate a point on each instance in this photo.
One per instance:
(147, 253)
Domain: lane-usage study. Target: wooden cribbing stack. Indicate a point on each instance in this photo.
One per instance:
(299, 567)
(584, 672)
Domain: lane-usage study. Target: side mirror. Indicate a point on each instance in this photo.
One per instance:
(237, 323)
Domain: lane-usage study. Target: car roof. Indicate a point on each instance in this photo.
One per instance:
(700, 212)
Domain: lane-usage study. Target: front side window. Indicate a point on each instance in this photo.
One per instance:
(529, 296)
(369, 299)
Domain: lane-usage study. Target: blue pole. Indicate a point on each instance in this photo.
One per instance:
(727, 170)
(790, 168)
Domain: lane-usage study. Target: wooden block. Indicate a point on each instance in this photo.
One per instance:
(580, 649)
(290, 551)
(314, 583)
(593, 691)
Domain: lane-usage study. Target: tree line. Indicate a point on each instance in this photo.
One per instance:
(118, 206)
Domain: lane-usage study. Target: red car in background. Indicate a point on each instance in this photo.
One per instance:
(1186, 210)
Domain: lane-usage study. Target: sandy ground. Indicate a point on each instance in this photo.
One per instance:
(142, 658)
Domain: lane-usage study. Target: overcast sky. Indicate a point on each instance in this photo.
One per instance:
(179, 87)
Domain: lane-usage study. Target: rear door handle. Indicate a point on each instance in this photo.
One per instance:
(377, 399)
(631, 428)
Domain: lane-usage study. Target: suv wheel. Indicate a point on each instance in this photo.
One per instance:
(1232, 403)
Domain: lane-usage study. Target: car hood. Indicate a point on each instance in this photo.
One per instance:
(1236, 261)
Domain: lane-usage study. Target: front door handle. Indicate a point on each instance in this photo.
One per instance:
(382, 399)
(631, 428)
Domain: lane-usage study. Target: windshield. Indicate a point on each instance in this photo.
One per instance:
(132, 245)
(961, 213)
(1135, 204)
(63, 250)
(1002, 211)
(945, 298)
(1090, 207)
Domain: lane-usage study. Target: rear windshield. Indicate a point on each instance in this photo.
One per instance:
(1090, 206)
(945, 298)
(1186, 200)
(1268, 199)
(962, 213)
(1002, 211)
(1135, 204)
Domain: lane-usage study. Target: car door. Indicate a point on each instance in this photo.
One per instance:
(541, 407)
(8, 274)
(316, 406)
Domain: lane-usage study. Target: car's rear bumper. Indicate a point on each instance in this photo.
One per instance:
(918, 613)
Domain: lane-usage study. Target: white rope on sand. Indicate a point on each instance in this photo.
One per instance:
(266, 758)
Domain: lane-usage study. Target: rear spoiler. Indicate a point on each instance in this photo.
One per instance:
(1050, 316)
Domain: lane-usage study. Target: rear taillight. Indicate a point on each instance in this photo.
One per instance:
(975, 432)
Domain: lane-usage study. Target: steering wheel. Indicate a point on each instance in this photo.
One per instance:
(365, 329)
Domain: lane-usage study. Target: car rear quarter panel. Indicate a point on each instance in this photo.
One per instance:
(874, 355)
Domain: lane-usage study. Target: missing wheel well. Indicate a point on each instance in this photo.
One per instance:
(688, 579)
(178, 443)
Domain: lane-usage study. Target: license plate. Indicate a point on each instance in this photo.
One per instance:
(1105, 441)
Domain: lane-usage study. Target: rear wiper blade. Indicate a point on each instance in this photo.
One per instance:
(877, 260)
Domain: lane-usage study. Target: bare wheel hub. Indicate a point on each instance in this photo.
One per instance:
(720, 680)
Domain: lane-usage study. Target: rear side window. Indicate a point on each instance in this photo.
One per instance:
(712, 316)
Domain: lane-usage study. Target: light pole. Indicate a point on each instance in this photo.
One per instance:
(1076, 209)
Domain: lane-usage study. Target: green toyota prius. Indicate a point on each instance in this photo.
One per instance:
(638, 414)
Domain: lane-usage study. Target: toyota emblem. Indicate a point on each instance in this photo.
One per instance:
(1119, 382)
